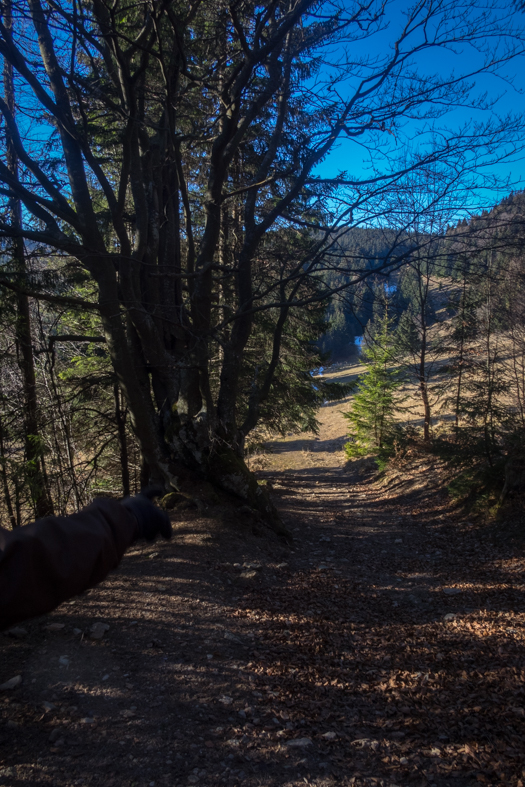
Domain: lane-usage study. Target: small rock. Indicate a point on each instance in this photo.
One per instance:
(322, 567)
(87, 720)
(17, 633)
(281, 565)
(398, 541)
(232, 637)
(173, 499)
(299, 742)
(105, 677)
(225, 700)
(160, 588)
(451, 591)
(64, 661)
(329, 736)
(55, 627)
(12, 683)
(55, 734)
(48, 706)
(248, 574)
(98, 630)
(449, 616)
(128, 714)
(77, 631)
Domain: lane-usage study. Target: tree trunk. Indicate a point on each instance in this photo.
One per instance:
(229, 472)
(423, 284)
(120, 417)
(5, 481)
(33, 445)
(62, 421)
(426, 410)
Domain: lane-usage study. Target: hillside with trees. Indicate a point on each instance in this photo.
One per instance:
(169, 239)
(451, 326)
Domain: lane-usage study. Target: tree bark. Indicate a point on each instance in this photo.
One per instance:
(120, 417)
(5, 480)
(40, 495)
(461, 356)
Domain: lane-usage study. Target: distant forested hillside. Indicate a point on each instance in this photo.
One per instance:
(477, 248)
(351, 309)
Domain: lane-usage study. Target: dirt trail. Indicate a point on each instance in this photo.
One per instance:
(384, 648)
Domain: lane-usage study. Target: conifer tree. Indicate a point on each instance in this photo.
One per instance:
(377, 400)
(484, 407)
(461, 332)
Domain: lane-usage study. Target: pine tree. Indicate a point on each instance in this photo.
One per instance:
(377, 400)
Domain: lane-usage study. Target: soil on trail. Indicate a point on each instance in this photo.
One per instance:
(385, 647)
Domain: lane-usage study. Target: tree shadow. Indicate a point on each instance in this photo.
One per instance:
(343, 662)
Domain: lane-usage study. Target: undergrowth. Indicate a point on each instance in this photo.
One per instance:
(481, 486)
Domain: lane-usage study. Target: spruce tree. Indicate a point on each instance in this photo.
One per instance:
(377, 400)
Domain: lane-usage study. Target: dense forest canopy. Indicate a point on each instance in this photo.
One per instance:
(162, 210)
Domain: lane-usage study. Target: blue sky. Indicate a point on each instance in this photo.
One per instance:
(506, 89)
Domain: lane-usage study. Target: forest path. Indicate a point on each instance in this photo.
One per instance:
(384, 648)
(410, 647)
(417, 620)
